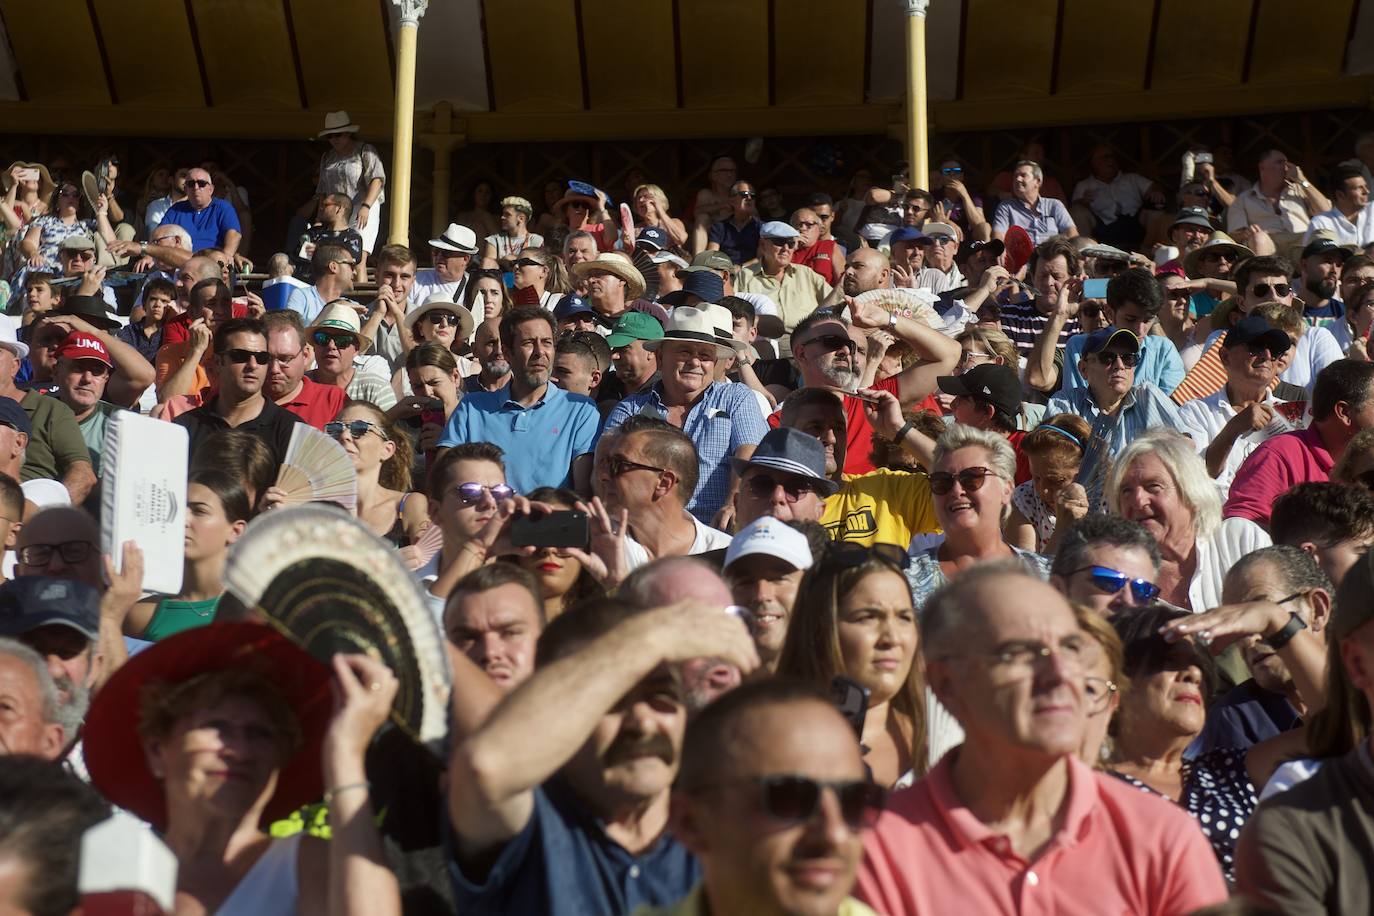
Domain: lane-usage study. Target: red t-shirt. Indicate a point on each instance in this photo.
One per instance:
(820, 258)
(1023, 472)
(316, 404)
(859, 441)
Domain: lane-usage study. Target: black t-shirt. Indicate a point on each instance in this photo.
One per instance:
(273, 426)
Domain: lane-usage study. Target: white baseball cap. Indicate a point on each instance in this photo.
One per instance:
(768, 536)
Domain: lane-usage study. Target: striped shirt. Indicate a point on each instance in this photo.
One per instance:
(1023, 323)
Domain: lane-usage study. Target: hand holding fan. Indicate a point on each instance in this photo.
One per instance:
(917, 304)
(317, 469)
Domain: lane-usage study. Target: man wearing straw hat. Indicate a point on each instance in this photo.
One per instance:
(354, 169)
(613, 282)
(339, 344)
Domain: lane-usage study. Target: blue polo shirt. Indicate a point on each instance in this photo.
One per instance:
(208, 226)
(1160, 364)
(540, 441)
(740, 243)
(563, 864)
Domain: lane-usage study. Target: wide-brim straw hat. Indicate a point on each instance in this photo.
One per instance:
(1216, 240)
(341, 315)
(46, 185)
(338, 122)
(694, 325)
(613, 262)
(439, 302)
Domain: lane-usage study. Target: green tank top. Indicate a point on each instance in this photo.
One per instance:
(173, 616)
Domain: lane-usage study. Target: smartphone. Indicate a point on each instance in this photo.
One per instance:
(562, 528)
(1095, 289)
(1203, 158)
(432, 415)
(851, 698)
(28, 174)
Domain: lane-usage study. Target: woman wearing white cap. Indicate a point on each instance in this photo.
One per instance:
(354, 169)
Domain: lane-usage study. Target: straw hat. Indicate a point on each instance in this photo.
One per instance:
(338, 122)
(45, 183)
(613, 262)
(578, 190)
(1216, 240)
(695, 326)
(439, 302)
(341, 315)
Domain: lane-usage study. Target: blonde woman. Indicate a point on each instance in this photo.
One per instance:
(651, 209)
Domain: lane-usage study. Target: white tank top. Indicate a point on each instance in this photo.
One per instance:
(269, 888)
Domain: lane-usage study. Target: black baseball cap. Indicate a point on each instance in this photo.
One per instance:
(1254, 329)
(989, 383)
(1320, 246)
(30, 602)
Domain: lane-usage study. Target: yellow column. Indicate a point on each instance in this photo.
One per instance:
(442, 140)
(917, 145)
(403, 132)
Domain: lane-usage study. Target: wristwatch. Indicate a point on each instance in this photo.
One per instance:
(142, 247)
(892, 321)
(1306, 184)
(1284, 636)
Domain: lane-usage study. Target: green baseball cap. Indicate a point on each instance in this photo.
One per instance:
(713, 260)
(633, 326)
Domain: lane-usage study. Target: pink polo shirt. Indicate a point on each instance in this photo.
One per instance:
(1119, 851)
(1280, 463)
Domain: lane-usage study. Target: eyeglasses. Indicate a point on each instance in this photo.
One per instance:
(971, 479)
(470, 493)
(795, 799)
(341, 341)
(832, 342)
(1109, 581)
(526, 262)
(1019, 659)
(356, 429)
(1098, 692)
(807, 224)
(442, 318)
(69, 551)
(239, 356)
(618, 466)
(1264, 289)
(1107, 357)
(199, 182)
(762, 486)
(282, 360)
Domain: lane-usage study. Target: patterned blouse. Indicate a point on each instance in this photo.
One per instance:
(54, 233)
(1041, 517)
(925, 576)
(1218, 793)
(351, 174)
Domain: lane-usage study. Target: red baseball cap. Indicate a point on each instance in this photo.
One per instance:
(80, 345)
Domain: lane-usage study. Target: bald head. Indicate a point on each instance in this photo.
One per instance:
(866, 269)
(976, 601)
(54, 531)
(673, 579)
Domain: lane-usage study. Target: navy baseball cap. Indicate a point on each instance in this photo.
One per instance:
(704, 284)
(30, 602)
(1253, 329)
(906, 234)
(652, 238)
(11, 414)
(571, 305)
(1104, 338)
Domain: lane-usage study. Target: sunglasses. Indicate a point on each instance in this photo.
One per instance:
(1107, 357)
(578, 205)
(490, 273)
(971, 479)
(783, 243)
(41, 554)
(341, 341)
(795, 799)
(847, 556)
(1110, 581)
(619, 466)
(762, 486)
(356, 429)
(440, 318)
(198, 182)
(526, 262)
(1259, 350)
(239, 356)
(747, 195)
(80, 255)
(1179, 292)
(832, 342)
(1264, 289)
(1219, 256)
(470, 493)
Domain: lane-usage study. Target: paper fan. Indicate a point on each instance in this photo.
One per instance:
(317, 469)
(425, 547)
(327, 582)
(1018, 249)
(909, 303)
(643, 262)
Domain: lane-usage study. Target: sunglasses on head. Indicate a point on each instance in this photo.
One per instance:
(762, 486)
(471, 493)
(356, 429)
(198, 182)
(971, 479)
(832, 342)
(239, 356)
(1110, 581)
(490, 273)
(795, 799)
(1107, 357)
(847, 556)
(1264, 289)
(341, 341)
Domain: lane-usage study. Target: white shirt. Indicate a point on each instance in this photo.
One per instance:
(1124, 195)
(707, 539)
(427, 283)
(1316, 350)
(940, 281)
(1233, 539)
(1360, 232)
(1203, 419)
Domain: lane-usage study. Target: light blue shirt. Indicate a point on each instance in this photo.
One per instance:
(540, 441)
(1048, 217)
(1159, 364)
(725, 417)
(306, 302)
(1144, 408)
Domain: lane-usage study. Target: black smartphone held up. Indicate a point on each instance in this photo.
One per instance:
(562, 528)
(852, 699)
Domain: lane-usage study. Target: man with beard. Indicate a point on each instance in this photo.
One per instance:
(332, 273)
(241, 352)
(562, 808)
(1351, 220)
(1321, 265)
(1012, 811)
(287, 385)
(529, 411)
(827, 357)
(494, 616)
(764, 566)
(773, 800)
(60, 620)
(486, 347)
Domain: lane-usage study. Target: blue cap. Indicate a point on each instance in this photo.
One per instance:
(11, 414)
(706, 285)
(30, 602)
(571, 304)
(906, 234)
(652, 238)
(1104, 338)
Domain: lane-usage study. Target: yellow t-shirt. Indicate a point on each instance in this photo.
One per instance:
(881, 507)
